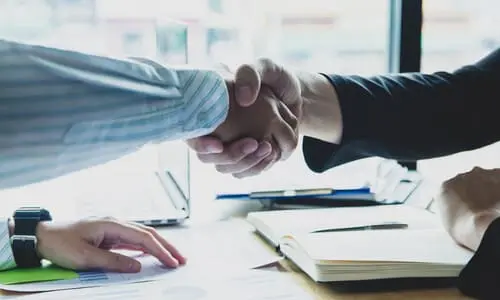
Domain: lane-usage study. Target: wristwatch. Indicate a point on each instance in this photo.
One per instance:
(24, 240)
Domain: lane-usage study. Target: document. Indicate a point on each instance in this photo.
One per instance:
(45, 273)
(152, 269)
(275, 224)
(222, 244)
(227, 246)
(244, 285)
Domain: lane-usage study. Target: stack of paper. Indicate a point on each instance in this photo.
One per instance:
(244, 285)
(376, 254)
(360, 243)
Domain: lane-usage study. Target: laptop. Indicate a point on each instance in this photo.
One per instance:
(150, 187)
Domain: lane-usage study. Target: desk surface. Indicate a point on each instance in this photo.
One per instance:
(386, 291)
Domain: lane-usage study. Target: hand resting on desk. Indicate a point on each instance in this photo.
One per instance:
(469, 203)
(85, 244)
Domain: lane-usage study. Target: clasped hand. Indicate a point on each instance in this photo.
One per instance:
(261, 128)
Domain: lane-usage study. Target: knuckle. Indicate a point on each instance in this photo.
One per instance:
(245, 69)
(234, 156)
(146, 236)
(118, 259)
(266, 63)
(109, 219)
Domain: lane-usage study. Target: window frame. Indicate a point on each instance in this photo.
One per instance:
(405, 42)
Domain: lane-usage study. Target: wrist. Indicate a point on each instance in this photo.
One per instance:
(469, 230)
(41, 232)
(321, 115)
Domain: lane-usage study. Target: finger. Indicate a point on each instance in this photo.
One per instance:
(170, 248)
(265, 164)
(133, 235)
(286, 139)
(283, 83)
(288, 116)
(233, 153)
(206, 144)
(127, 247)
(95, 258)
(248, 161)
(247, 85)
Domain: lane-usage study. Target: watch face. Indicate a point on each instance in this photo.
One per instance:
(37, 213)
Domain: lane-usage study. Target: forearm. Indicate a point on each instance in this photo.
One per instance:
(65, 111)
(411, 116)
(321, 117)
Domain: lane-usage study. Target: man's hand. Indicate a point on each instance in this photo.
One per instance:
(253, 92)
(86, 245)
(469, 203)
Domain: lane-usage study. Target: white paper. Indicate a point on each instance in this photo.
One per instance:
(431, 246)
(276, 224)
(231, 243)
(245, 285)
(152, 269)
(227, 247)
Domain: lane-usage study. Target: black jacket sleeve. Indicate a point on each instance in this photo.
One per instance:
(413, 116)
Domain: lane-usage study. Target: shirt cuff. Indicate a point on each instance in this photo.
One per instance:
(6, 256)
(206, 99)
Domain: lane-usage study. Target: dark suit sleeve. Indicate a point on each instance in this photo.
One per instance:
(413, 116)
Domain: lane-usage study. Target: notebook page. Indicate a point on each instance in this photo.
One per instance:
(432, 246)
(308, 220)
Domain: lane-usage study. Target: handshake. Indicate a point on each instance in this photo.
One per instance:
(261, 128)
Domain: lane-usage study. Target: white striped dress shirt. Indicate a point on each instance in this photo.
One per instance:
(63, 111)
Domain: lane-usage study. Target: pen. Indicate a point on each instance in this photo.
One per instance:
(383, 226)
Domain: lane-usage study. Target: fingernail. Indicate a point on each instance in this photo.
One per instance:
(214, 149)
(244, 94)
(134, 266)
(249, 148)
(174, 263)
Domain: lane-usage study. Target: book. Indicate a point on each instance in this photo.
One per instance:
(331, 245)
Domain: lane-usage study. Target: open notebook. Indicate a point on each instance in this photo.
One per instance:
(422, 249)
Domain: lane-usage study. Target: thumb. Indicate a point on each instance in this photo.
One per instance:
(282, 82)
(96, 258)
(247, 85)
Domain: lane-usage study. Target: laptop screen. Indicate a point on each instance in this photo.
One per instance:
(128, 188)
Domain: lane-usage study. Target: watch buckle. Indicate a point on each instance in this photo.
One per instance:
(24, 238)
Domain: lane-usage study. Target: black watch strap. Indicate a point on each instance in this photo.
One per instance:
(24, 240)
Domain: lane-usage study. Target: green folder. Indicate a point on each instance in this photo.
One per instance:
(47, 272)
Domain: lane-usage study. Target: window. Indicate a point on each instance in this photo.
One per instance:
(216, 5)
(132, 42)
(343, 36)
(456, 33)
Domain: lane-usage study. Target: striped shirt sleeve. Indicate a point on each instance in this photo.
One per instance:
(6, 257)
(63, 111)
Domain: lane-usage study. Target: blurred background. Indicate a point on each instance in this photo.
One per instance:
(332, 36)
